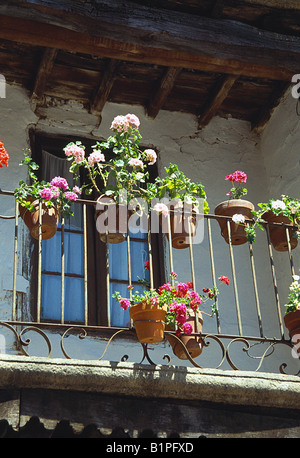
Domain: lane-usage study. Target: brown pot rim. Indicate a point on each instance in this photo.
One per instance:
(239, 203)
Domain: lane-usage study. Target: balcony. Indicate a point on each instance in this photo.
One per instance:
(246, 333)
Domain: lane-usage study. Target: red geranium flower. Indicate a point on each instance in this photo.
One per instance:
(3, 156)
(224, 279)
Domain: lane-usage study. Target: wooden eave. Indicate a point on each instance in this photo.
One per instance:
(209, 60)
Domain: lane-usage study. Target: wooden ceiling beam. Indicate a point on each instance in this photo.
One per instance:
(279, 4)
(44, 71)
(218, 95)
(161, 95)
(129, 31)
(266, 112)
(104, 88)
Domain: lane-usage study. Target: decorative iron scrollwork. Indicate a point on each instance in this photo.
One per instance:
(227, 354)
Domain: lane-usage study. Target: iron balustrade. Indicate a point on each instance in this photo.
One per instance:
(224, 340)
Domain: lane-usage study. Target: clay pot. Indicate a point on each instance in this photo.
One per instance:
(230, 208)
(149, 322)
(50, 217)
(117, 217)
(292, 323)
(193, 344)
(278, 233)
(179, 225)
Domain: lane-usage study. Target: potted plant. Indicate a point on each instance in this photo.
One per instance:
(115, 169)
(175, 304)
(292, 315)
(177, 196)
(4, 157)
(56, 197)
(238, 209)
(284, 211)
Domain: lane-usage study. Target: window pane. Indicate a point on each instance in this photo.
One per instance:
(51, 292)
(51, 298)
(119, 317)
(51, 255)
(118, 261)
(74, 299)
(119, 271)
(139, 255)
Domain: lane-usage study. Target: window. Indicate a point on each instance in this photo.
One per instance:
(48, 153)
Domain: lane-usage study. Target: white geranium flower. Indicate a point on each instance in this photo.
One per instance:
(238, 218)
(278, 205)
(296, 277)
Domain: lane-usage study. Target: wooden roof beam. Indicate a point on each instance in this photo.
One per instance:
(218, 95)
(129, 31)
(44, 71)
(106, 83)
(161, 95)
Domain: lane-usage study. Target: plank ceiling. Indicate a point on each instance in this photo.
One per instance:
(140, 61)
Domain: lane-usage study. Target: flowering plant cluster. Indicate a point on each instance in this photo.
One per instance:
(3, 156)
(56, 193)
(116, 164)
(285, 206)
(237, 191)
(294, 295)
(174, 186)
(180, 299)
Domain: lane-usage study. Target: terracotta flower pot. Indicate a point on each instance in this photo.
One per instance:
(149, 322)
(193, 344)
(50, 217)
(278, 233)
(179, 225)
(292, 323)
(230, 208)
(117, 218)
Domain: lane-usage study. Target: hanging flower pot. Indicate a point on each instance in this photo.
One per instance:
(183, 223)
(111, 220)
(149, 322)
(50, 217)
(193, 344)
(278, 233)
(229, 208)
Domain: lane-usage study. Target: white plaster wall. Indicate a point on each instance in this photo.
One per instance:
(280, 147)
(207, 156)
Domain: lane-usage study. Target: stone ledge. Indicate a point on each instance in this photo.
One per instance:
(168, 382)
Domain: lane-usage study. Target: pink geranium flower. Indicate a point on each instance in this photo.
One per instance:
(124, 303)
(59, 182)
(238, 176)
(187, 328)
(75, 150)
(133, 120)
(134, 162)
(151, 156)
(160, 207)
(46, 194)
(120, 124)
(71, 196)
(95, 157)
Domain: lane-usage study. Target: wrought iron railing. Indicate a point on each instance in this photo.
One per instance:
(224, 338)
